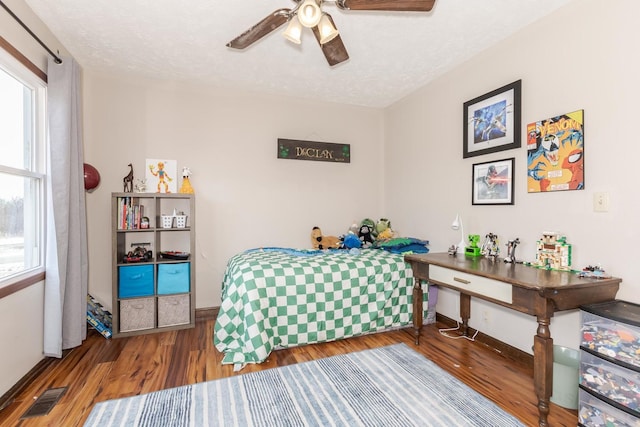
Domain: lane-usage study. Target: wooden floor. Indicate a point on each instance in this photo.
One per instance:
(106, 369)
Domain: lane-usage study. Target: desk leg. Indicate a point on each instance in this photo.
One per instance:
(543, 368)
(417, 308)
(465, 313)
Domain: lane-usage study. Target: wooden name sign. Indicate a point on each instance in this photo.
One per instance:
(311, 150)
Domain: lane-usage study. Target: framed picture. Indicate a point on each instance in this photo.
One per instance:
(555, 153)
(160, 176)
(493, 182)
(492, 121)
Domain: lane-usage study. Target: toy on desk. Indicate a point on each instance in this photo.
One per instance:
(473, 249)
(594, 272)
(553, 252)
(490, 248)
(511, 250)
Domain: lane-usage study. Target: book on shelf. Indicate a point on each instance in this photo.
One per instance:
(130, 213)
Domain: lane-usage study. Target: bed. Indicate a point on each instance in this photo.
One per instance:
(278, 297)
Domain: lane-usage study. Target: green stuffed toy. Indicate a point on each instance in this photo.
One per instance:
(382, 225)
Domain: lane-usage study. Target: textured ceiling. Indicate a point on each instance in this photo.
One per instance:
(391, 53)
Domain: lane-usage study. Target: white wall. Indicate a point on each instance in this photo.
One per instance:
(581, 57)
(245, 196)
(21, 314)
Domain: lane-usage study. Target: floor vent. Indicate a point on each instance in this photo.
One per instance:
(45, 403)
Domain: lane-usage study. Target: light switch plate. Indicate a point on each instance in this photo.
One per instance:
(601, 202)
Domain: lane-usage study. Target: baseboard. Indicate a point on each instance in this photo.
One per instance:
(207, 312)
(496, 345)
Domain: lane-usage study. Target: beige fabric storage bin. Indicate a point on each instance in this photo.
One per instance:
(137, 314)
(174, 310)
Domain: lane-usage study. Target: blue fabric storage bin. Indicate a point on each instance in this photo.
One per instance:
(174, 278)
(135, 281)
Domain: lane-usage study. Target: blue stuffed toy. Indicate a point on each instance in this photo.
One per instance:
(351, 241)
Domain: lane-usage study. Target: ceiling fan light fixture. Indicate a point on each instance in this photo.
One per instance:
(327, 30)
(293, 33)
(309, 13)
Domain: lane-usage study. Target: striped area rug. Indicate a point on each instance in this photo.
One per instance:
(388, 386)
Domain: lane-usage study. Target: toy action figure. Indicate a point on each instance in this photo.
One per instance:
(490, 248)
(473, 249)
(511, 250)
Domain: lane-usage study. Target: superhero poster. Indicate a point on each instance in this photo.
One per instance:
(555, 153)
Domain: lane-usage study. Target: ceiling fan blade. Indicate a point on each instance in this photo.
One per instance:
(261, 29)
(334, 49)
(392, 5)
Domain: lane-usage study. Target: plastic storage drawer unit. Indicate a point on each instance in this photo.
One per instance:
(594, 413)
(173, 278)
(135, 281)
(616, 383)
(613, 330)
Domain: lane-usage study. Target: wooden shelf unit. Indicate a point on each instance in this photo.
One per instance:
(155, 294)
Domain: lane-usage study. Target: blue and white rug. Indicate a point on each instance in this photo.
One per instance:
(388, 386)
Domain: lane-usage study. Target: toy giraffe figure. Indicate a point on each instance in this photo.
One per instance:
(127, 181)
(186, 187)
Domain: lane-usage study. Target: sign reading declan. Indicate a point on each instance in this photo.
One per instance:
(311, 150)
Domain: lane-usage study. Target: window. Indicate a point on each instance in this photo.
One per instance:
(22, 166)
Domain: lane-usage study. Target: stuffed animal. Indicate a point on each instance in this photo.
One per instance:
(366, 236)
(382, 225)
(318, 241)
(372, 226)
(351, 241)
(386, 234)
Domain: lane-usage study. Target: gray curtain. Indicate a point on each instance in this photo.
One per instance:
(65, 294)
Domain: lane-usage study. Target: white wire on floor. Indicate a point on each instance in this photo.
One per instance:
(443, 331)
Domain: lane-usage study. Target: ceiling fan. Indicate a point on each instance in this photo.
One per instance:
(309, 13)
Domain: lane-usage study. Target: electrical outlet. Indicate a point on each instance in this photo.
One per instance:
(485, 316)
(601, 202)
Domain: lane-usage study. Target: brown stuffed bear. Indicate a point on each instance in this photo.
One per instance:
(318, 241)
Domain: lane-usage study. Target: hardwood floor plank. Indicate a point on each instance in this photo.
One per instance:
(103, 369)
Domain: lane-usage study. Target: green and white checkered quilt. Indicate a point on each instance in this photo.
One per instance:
(282, 298)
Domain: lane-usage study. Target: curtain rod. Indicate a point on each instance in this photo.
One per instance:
(56, 58)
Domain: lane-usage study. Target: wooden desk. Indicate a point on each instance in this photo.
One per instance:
(525, 289)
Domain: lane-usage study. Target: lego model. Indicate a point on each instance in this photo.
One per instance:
(553, 252)
(594, 272)
(473, 249)
(511, 250)
(490, 248)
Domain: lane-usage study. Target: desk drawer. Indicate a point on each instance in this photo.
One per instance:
(490, 288)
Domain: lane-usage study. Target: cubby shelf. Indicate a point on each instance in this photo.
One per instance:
(153, 263)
